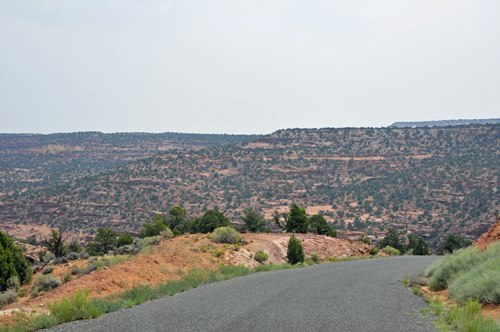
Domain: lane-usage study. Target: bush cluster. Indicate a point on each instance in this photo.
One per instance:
(391, 251)
(261, 256)
(468, 273)
(45, 283)
(225, 235)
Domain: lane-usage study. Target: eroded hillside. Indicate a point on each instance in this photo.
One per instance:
(429, 181)
(33, 161)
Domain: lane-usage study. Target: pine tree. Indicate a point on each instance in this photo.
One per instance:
(295, 252)
(12, 262)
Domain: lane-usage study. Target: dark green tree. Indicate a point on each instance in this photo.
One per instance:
(253, 221)
(319, 225)
(12, 262)
(297, 220)
(391, 239)
(177, 216)
(153, 227)
(74, 246)
(211, 220)
(104, 241)
(419, 246)
(124, 240)
(56, 243)
(295, 252)
(451, 243)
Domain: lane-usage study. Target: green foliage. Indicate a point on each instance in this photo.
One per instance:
(46, 283)
(416, 290)
(56, 243)
(211, 220)
(103, 242)
(253, 221)
(417, 246)
(391, 239)
(13, 283)
(261, 256)
(153, 227)
(219, 252)
(80, 307)
(74, 246)
(297, 220)
(167, 234)
(12, 263)
(391, 251)
(225, 235)
(124, 240)
(8, 297)
(463, 318)
(177, 216)
(364, 239)
(373, 251)
(295, 252)
(468, 273)
(319, 225)
(451, 243)
(315, 257)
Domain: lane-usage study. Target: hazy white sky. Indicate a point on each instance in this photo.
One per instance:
(244, 66)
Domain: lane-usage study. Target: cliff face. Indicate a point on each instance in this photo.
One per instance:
(492, 235)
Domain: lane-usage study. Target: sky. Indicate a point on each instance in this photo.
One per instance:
(244, 67)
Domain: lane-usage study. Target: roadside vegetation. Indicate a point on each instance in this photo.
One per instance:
(471, 278)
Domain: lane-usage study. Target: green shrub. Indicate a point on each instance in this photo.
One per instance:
(315, 257)
(167, 234)
(391, 251)
(46, 283)
(211, 220)
(332, 259)
(225, 235)
(80, 307)
(469, 273)
(373, 251)
(416, 290)
(66, 277)
(148, 241)
(48, 270)
(468, 317)
(365, 239)
(219, 252)
(8, 297)
(125, 240)
(295, 252)
(75, 270)
(261, 256)
(309, 261)
(13, 283)
(104, 241)
(12, 263)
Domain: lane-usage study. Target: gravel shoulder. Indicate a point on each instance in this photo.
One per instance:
(362, 295)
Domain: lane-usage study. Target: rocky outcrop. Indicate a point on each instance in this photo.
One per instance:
(492, 235)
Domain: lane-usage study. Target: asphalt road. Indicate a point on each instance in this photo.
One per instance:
(362, 295)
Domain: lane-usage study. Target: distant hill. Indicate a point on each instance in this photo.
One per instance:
(443, 123)
(428, 181)
(36, 161)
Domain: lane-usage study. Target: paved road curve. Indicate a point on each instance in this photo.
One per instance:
(363, 295)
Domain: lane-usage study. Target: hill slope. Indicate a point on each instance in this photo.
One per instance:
(429, 181)
(34, 161)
